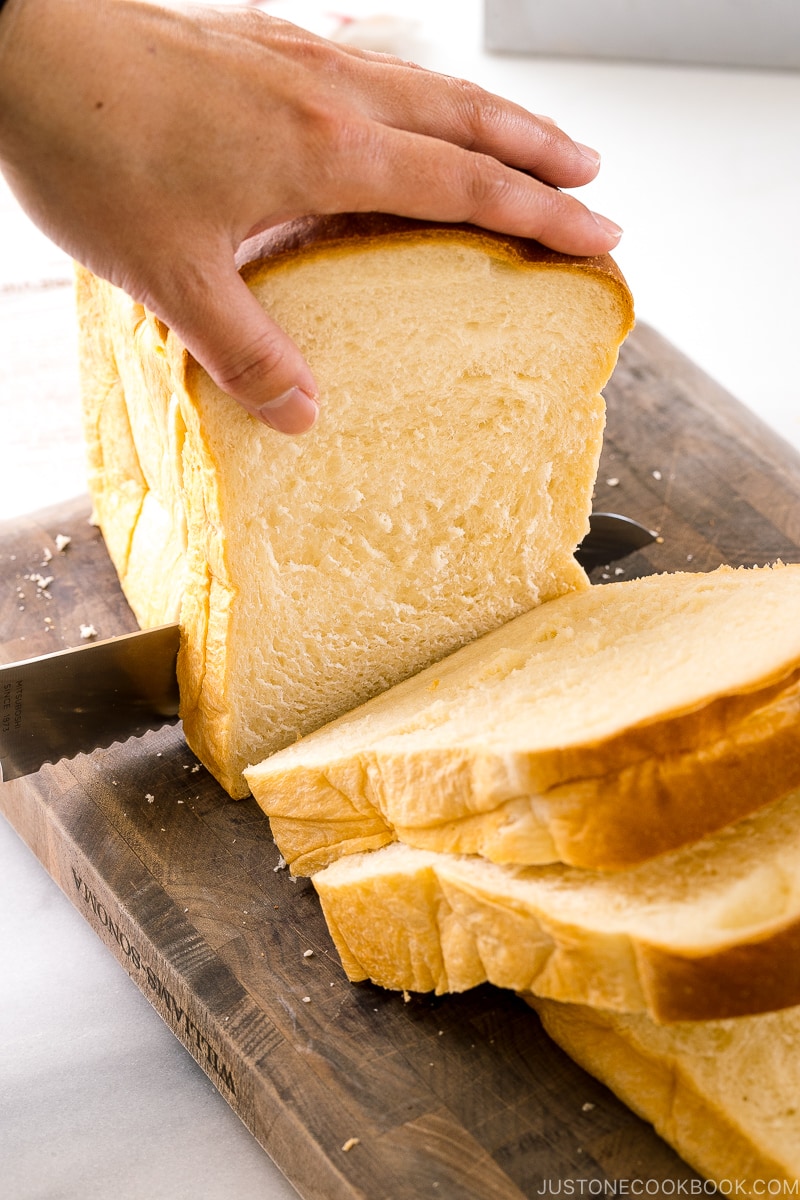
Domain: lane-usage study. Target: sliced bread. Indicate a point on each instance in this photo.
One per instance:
(442, 491)
(601, 729)
(724, 1094)
(709, 931)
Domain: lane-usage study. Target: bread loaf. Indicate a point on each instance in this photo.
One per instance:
(442, 492)
(709, 931)
(601, 729)
(722, 1093)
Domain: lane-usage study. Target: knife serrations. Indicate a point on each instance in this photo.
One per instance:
(75, 701)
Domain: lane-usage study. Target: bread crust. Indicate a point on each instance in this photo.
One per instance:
(605, 804)
(728, 766)
(722, 1094)
(713, 944)
(345, 231)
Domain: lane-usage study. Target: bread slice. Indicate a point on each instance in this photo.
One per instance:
(442, 492)
(601, 729)
(724, 1094)
(709, 931)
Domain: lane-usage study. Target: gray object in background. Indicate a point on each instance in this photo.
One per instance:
(745, 33)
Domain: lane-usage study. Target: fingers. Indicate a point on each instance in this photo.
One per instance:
(404, 96)
(247, 355)
(395, 171)
(460, 112)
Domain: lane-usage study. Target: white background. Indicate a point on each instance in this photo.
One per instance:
(702, 169)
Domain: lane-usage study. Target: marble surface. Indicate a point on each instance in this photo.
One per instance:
(702, 169)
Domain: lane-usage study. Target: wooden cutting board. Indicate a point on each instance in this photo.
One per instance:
(457, 1097)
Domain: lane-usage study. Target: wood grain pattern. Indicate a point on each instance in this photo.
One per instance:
(462, 1096)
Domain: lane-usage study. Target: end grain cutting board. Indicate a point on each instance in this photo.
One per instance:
(461, 1097)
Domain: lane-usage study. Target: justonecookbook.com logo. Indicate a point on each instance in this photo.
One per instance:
(578, 1186)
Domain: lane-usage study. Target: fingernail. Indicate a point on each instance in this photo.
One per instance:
(608, 226)
(589, 153)
(294, 411)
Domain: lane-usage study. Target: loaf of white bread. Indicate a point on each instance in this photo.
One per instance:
(443, 490)
(600, 729)
(626, 756)
(722, 1093)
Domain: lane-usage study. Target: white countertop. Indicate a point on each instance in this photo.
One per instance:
(702, 169)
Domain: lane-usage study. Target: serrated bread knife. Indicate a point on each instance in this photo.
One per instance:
(78, 700)
(75, 701)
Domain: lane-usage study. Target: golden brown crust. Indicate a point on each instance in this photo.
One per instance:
(322, 234)
(721, 1093)
(757, 976)
(707, 933)
(608, 805)
(739, 754)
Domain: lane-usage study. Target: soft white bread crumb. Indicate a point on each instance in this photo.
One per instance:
(442, 491)
(724, 1094)
(712, 930)
(600, 729)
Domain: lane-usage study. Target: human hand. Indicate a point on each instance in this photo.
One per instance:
(150, 143)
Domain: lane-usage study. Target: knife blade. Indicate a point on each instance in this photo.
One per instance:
(611, 537)
(79, 700)
(73, 701)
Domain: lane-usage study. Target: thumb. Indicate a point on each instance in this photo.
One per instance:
(244, 351)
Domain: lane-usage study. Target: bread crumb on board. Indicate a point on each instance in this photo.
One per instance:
(348, 1145)
(42, 583)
